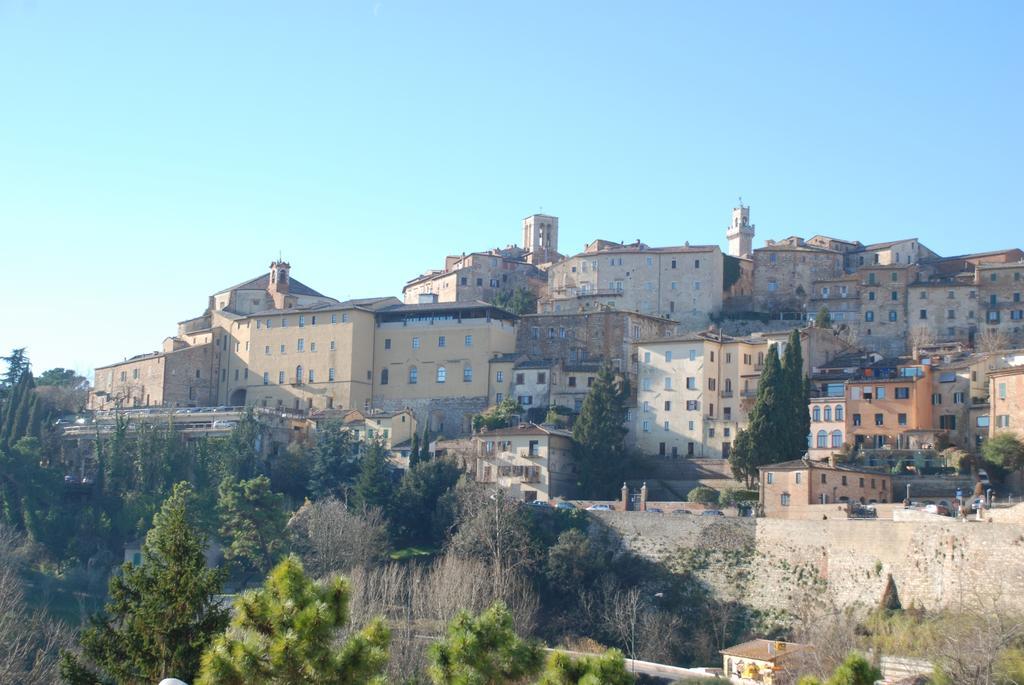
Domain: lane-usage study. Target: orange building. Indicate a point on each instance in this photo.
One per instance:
(890, 406)
(789, 487)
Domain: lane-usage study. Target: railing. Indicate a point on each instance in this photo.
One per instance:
(726, 393)
(748, 393)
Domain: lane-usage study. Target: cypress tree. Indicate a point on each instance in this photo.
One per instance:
(425, 444)
(762, 441)
(796, 396)
(414, 451)
(599, 436)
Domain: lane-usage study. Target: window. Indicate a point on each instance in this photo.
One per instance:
(645, 384)
(282, 349)
(414, 375)
(784, 498)
(816, 414)
(856, 419)
(668, 405)
(947, 422)
(903, 393)
(692, 405)
(901, 419)
(894, 295)
(1003, 421)
(822, 439)
(266, 378)
(665, 426)
(892, 315)
(879, 419)
(691, 383)
(284, 322)
(387, 344)
(646, 426)
(958, 398)
(311, 376)
(498, 397)
(936, 398)
(499, 376)
(880, 393)
(673, 263)
(668, 355)
(334, 318)
(312, 347)
(923, 314)
(415, 343)
(330, 374)
(442, 374)
(469, 341)
(950, 313)
(440, 341)
(467, 374)
(300, 345)
(280, 377)
(1002, 391)
(839, 412)
(668, 382)
(828, 413)
(298, 373)
(520, 378)
(871, 296)
(869, 315)
(302, 321)
(824, 478)
(894, 277)
(383, 376)
(542, 377)
(693, 355)
(572, 381)
(837, 438)
(770, 478)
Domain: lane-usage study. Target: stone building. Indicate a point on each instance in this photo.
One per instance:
(894, 252)
(474, 277)
(785, 271)
(530, 462)
(683, 283)
(1001, 309)
(788, 488)
(181, 375)
(740, 232)
(884, 320)
(942, 310)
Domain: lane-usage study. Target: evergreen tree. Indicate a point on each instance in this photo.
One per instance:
(425, 444)
(414, 511)
(286, 633)
(759, 443)
(17, 365)
(334, 461)
(162, 614)
(599, 436)
(373, 487)
(797, 396)
(16, 410)
(252, 522)
(823, 319)
(483, 650)
(414, 450)
(604, 669)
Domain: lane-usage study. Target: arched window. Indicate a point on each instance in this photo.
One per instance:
(298, 373)
(822, 439)
(414, 375)
(837, 438)
(383, 376)
(839, 412)
(816, 414)
(828, 413)
(467, 374)
(442, 374)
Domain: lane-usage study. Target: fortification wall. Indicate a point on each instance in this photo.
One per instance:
(773, 564)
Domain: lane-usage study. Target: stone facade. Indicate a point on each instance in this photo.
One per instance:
(479, 276)
(788, 488)
(683, 283)
(182, 376)
(529, 462)
(785, 271)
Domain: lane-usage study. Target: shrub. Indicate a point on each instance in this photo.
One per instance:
(702, 495)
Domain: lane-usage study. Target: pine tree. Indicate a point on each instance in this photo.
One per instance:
(162, 614)
(334, 461)
(17, 364)
(607, 669)
(483, 650)
(373, 487)
(252, 522)
(425, 444)
(599, 436)
(286, 633)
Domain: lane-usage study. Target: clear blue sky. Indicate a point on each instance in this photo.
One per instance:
(154, 152)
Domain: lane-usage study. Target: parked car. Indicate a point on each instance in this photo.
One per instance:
(224, 424)
(599, 507)
(539, 503)
(712, 512)
(681, 512)
(565, 505)
(654, 510)
(937, 509)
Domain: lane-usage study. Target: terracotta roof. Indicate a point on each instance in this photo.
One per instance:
(881, 246)
(764, 650)
(525, 429)
(796, 464)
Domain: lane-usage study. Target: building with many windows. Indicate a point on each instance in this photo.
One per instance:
(530, 462)
(788, 488)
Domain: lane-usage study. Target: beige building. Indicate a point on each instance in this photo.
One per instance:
(436, 361)
(695, 392)
(683, 283)
(828, 426)
(761, 661)
(475, 276)
(789, 487)
(1006, 397)
(394, 429)
(530, 462)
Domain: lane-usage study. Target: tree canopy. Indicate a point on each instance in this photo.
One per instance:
(483, 650)
(599, 435)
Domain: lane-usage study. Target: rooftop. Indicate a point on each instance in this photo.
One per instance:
(262, 282)
(764, 650)
(805, 463)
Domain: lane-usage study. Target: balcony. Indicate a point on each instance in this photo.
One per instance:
(726, 393)
(748, 393)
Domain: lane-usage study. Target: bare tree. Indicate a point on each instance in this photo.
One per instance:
(332, 539)
(970, 641)
(920, 336)
(990, 339)
(30, 644)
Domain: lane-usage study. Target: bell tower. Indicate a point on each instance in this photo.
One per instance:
(277, 285)
(540, 236)
(740, 232)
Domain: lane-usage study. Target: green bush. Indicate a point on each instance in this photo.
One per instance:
(736, 497)
(702, 495)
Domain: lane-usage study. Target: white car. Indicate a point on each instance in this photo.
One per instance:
(599, 507)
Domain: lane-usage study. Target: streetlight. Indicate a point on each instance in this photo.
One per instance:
(908, 493)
